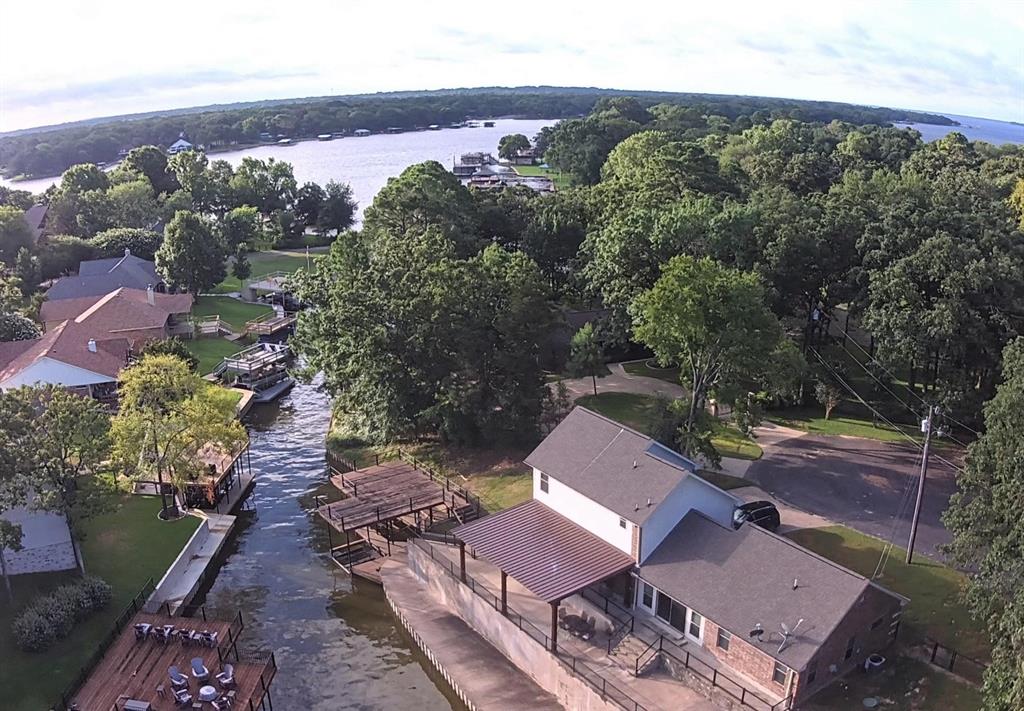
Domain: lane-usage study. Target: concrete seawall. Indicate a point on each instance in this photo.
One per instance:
(478, 673)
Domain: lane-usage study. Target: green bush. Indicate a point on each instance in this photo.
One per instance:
(51, 617)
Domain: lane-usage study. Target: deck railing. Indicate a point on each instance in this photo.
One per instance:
(120, 623)
(594, 679)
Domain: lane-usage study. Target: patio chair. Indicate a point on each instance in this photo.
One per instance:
(221, 704)
(182, 697)
(178, 680)
(142, 630)
(208, 638)
(226, 677)
(199, 670)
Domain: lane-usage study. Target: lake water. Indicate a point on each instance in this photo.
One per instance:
(336, 642)
(976, 129)
(366, 163)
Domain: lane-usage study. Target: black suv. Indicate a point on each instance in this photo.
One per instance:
(762, 513)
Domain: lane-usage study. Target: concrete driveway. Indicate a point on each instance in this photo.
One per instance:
(859, 483)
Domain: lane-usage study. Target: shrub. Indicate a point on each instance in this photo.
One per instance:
(32, 631)
(51, 617)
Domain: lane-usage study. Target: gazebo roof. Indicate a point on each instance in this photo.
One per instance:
(549, 554)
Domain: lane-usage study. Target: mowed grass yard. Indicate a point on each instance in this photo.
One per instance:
(264, 263)
(561, 180)
(125, 547)
(637, 411)
(650, 369)
(935, 609)
(232, 311)
(211, 351)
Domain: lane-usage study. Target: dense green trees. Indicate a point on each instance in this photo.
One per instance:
(988, 533)
(511, 144)
(15, 234)
(113, 242)
(192, 256)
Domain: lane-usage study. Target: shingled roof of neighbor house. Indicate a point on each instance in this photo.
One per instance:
(621, 469)
(741, 578)
(101, 276)
(67, 343)
(121, 310)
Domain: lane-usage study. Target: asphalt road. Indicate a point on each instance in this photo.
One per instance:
(859, 483)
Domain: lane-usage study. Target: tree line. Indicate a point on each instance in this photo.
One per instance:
(51, 151)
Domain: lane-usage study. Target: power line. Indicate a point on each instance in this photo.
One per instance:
(888, 372)
(874, 410)
(894, 395)
(905, 499)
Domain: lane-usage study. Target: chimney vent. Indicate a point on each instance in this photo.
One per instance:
(796, 583)
(648, 500)
(634, 464)
(636, 507)
(150, 297)
(92, 345)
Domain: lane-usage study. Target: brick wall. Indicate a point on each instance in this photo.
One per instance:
(742, 656)
(635, 545)
(872, 606)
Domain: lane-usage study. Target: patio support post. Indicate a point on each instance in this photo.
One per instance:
(462, 561)
(554, 627)
(504, 593)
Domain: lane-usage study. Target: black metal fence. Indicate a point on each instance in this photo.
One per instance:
(597, 682)
(120, 622)
(952, 661)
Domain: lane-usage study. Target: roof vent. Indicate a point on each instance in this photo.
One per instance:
(636, 507)
(127, 252)
(634, 464)
(92, 345)
(757, 631)
(796, 583)
(648, 500)
(150, 295)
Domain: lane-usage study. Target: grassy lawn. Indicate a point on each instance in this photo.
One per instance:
(561, 180)
(935, 609)
(210, 351)
(500, 491)
(650, 369)
(125, 548)
(232, 311)
(264, 263)
(908, 684)
(813, 420)
(637, 411)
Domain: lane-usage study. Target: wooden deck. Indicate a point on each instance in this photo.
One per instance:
(134, 669)
(385, 492)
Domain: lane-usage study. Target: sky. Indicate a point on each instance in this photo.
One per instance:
(76, 60)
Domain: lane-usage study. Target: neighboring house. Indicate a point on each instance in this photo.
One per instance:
(66, 355)
(101, 276)
(138, 315)
(35, 216)
(525, 156)
(632, 519)
(182, 144)
(46, 543)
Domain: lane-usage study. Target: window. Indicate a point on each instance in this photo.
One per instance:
(812, 672)
(696, 625)
(849, 647)
(779, 674)
(544, 482)
(723, 639)
(622, 522)
(646, 596)
(877, 623)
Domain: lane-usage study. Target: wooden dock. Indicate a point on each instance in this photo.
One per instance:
(137, 668)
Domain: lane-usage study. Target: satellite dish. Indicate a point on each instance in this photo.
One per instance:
(757, 631)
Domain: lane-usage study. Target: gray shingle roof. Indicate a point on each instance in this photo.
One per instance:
(613, 465)
(101, 276)
(741, 578)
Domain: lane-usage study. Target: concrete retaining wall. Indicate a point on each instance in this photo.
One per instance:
(429, 654)
(191, 550)
(522, 650)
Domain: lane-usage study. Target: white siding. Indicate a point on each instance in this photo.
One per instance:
(54, 372)
(585, 512)
(691, 493)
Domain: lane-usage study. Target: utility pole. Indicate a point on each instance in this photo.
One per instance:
(926, 426)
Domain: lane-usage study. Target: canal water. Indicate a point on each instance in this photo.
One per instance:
(336, 642)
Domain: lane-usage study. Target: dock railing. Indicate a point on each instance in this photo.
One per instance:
(135, 605)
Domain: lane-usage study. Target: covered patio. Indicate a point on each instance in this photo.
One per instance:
(546, 553)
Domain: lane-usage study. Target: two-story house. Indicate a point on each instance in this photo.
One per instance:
(615, 511)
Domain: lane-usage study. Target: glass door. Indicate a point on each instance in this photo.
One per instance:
(645, 596)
